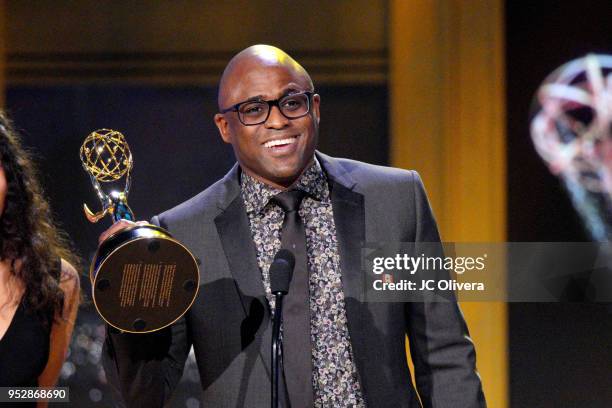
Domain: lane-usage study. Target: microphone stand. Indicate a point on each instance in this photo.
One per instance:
(281, 272)
(276, 346)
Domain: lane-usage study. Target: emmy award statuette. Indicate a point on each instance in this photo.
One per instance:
(142, 279)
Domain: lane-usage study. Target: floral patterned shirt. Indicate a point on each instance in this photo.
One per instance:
(335, 380)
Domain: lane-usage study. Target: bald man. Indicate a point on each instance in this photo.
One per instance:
(339, 351)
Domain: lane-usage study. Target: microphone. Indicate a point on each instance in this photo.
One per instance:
(281, 273)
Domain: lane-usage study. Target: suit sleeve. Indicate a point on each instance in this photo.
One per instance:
(146, 368)
(441, 349)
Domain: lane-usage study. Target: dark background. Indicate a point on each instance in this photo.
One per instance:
(560, 354)
(175, 144)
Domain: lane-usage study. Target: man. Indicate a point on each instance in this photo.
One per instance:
(339, 351)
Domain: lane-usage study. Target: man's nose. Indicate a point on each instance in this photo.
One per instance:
(276, 120)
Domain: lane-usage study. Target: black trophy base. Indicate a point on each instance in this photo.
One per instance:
(143, 279)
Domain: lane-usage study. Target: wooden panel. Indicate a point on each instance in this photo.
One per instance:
(447, 122)
(190, 41)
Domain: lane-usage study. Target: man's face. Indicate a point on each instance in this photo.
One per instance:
(280, 164)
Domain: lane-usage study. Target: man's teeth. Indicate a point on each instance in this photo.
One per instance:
(273, 143)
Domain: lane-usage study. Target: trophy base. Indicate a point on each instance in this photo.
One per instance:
(143, 280)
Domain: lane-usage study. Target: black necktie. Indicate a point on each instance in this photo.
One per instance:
(297, 348)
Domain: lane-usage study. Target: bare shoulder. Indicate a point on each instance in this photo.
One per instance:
(69, 278)
(70, 283)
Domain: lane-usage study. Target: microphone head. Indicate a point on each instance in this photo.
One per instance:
(281, 271)
(286, 255)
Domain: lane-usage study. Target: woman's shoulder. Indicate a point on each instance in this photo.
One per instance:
(70, 284)
(69, 276)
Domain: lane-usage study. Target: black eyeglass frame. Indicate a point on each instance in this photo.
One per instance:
(271, 103)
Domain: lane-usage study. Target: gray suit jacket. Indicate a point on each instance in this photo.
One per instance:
(229, 325)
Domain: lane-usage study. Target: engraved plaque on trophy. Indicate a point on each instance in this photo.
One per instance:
(142, 278)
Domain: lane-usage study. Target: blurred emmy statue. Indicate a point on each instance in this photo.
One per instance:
(572, 131)
(142, 278)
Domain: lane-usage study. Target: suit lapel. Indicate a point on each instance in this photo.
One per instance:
(233, 228)
(349, 218)
(235, 235)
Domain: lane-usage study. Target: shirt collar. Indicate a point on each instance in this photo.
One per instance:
(257, 194)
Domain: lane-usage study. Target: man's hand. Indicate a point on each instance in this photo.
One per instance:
(119, 226)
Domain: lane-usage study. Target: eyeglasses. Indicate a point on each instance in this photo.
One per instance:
(256, 112)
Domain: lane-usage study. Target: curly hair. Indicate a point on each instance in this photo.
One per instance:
(27, 232)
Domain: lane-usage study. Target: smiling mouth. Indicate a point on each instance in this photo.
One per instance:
(280, 142)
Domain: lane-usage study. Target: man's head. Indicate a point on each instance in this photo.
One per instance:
(277, 150)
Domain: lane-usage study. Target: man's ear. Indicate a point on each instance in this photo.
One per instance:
(316, 102)
(223, 127)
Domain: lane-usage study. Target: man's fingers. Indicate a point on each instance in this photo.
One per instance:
(118, 226)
